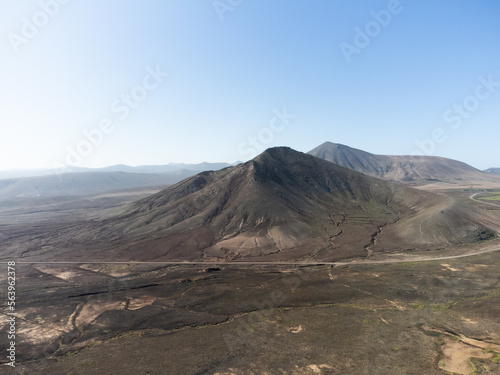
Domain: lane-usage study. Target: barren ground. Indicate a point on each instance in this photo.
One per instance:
(412, 316)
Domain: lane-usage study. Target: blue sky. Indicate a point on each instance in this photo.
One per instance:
(96, 83)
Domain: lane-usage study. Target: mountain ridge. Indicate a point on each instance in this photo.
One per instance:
(95, 181)
(155, 169)
(283, 204)
(416, 170)
(84, 183)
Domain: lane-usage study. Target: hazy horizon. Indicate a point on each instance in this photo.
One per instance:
(27, 169)
(95, 84)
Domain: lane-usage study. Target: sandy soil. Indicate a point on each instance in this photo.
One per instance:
(457, 354)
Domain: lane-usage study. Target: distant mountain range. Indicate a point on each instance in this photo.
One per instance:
(166, 168)
(83, 181)
(493, 171)
(75, 181)
(281, 205)
(414, 170)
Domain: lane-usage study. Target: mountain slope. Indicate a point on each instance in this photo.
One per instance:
(282, 205)
(407, 169)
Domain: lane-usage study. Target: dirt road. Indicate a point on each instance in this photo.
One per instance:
(483, 202)
(488, 249)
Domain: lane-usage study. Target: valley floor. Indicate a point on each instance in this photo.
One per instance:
(427, 317)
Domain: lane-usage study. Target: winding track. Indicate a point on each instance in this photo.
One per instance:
(483, 202)
(239, 263)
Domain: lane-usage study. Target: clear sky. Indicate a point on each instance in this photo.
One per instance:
(96, 83)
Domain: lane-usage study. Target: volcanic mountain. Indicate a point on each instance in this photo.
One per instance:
(282, 205)
(415, 170)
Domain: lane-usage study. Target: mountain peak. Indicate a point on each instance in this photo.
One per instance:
(406, 169)
(276, 151)
(332, 144)
(281, 205)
